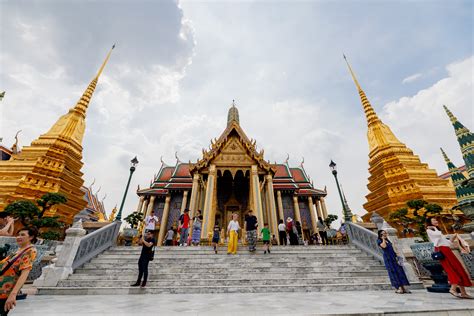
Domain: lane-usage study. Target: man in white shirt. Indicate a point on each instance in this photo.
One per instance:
(150, 222)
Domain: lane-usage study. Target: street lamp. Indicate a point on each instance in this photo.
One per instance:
(345, 207)
(133, 165)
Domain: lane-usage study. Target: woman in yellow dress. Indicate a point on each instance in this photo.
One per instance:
(233, 232)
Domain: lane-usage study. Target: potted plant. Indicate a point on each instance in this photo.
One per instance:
(134, 219)
(415, 215)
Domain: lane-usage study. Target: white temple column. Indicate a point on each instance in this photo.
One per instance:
(325, 211)
(280, 206)
(318, 208)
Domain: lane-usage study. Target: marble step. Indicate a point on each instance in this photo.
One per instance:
(180, 265)
(233, 271)
(224, 282)
(244, 250)
(224, 256)
(273, 259)
(190, 275)
(214, 289)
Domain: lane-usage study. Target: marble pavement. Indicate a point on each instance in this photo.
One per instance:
(419, 302)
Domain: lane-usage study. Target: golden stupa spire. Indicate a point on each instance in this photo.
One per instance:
(83, 103)
(368, 109)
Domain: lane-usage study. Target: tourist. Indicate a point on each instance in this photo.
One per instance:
(274, 241)
(150, 222)
(457, 276)
(216, 236)
(299, 232)
(251, 228)
(393, 264)
(147, 243)
(322, 231)
(233, 233)
(7, 224)
(184, 228)
(196, 236)
(169, 237)
(16, 267)
(266, 238)
(291, 230)
(282, 233)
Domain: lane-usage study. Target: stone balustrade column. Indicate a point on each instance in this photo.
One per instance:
(62, 266)
(164, 220)
(312, 213)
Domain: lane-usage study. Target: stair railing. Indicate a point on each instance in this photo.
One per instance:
(364, 239)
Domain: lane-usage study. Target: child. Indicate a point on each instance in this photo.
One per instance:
(169, 237)
(215, 238)
(266, 238)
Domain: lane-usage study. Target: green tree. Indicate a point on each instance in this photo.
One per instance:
(331, 218)
(134, 219)
(30, 214)
(421, 211)
(49, 200)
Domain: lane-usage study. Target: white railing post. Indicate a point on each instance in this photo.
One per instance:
(62, 265)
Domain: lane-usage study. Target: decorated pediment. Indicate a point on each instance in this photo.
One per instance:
(233, 147)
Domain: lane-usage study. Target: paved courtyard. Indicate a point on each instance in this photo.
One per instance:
(419, 302)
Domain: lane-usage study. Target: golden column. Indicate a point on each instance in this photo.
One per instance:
(164, 220)
(209, 208)
(184, 201)
(272, 207)
(194, 194)
(297, 209)
(150, 205)
(323, 205)
(280, 206)
(140, 204)
(257, 197)
(318, 208)
(312, 213)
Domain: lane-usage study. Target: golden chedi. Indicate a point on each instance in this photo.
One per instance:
(396, 174)
(52, 163)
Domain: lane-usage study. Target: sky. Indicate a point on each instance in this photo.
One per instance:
(177, 67)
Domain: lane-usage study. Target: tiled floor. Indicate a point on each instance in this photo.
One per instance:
(330, 303)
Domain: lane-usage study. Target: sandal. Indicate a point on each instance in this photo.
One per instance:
(399, 292)
(407, 292)
(455, 294)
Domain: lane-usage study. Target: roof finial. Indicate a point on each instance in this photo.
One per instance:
(287, 158)
(352, 73)
(368, 109)
(177, 158)
(15, 149)
(446, 159)
(233, 103)
(450, 114)
(105, 62)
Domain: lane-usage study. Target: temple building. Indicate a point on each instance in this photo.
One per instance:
(233, 177)
(52, 163)
(396, 174)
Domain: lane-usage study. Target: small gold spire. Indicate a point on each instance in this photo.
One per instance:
(368, 109)
(446, 159)
(450, 114)
(83, 103)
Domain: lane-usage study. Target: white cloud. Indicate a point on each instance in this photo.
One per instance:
(411, 78)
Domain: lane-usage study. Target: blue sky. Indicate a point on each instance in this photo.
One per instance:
(178, 66)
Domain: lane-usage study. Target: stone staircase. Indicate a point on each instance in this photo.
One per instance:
(198, 270)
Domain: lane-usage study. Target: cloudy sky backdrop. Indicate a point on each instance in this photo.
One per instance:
(178, 65)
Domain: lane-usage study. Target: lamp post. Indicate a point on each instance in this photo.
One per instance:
(133, 164)
(345, 207)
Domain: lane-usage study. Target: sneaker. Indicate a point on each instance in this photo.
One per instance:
(135, 284)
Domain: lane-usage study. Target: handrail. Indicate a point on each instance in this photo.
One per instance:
(364, 239)
(95, 243)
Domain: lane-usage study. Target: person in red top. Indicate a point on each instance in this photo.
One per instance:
(15, 268)
(184, 228)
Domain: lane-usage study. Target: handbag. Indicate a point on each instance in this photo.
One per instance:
(152, 254)
(437, 255)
